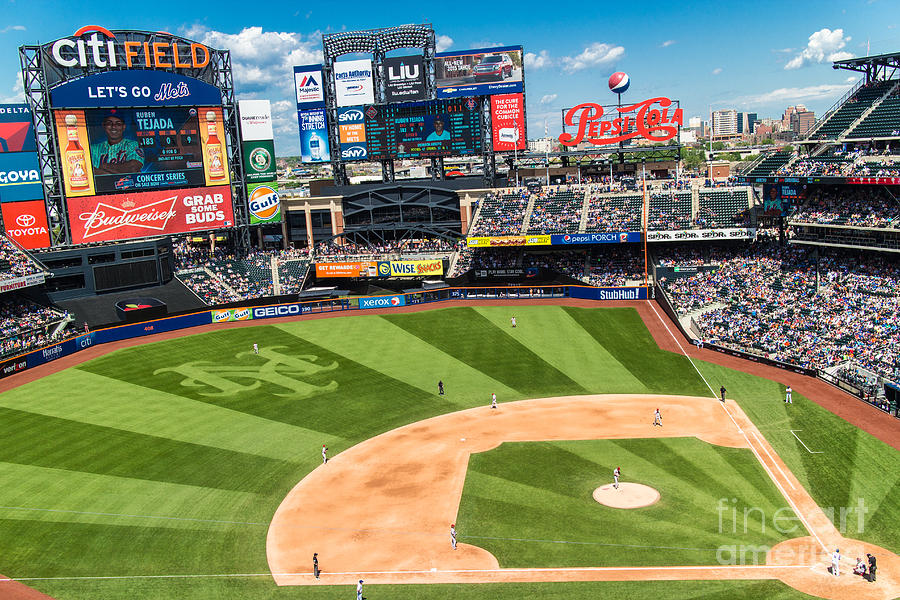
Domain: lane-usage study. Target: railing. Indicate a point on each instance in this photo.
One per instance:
(834, 108)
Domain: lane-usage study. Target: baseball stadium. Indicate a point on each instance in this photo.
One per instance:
(591, 371)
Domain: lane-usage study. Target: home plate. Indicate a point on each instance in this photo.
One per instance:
(629, 495)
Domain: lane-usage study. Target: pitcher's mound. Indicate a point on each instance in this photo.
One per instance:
(629, 495)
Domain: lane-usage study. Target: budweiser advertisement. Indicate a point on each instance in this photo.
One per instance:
(134, 215)
(508, 122)
(26, 223)
(655, 120)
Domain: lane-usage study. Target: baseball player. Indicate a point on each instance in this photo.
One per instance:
(453, 535)
(316, 564)
(722, 391)
(787, 395)
(324, 454)
(493, 400)
(359, 595)
(513, 321)
(441, 388)
(255, 349)
(616, 474)
(657, 418)
(836, 562)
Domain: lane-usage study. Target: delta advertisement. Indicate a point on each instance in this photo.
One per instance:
(133, 215)
(404, 78)
(352, 133)
(480, 72)
(26, 223)
(16, 128)
(508, 122)
(313, 136)
(353, 82)
(154, 89)
(308, 86)
(21, 187)
(263, 202)
(123, 149)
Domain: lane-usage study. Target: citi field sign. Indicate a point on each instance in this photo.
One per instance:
(94, 47)
(655, 119)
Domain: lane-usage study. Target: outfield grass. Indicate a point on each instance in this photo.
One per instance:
(130, 465)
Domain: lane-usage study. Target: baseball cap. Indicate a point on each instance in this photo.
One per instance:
(360, 580)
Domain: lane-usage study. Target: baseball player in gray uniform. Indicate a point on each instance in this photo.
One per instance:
(453, 535)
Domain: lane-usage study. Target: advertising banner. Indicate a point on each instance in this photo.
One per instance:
(654, 119)
(281, 310)
(410, 268)
(347, 269)
(212, 135)
(353, 82)
(731, 233)
(17, 283)
(50, 353)
(382, 302)
(231, 314)
(612, 237)
(16, 128)
(424, 129)
(155, 89)
(259, 161)
(26, 223)
(352, 132)
(308, 86)
(623, 293)
(263, 202)
(404, 78)
(508, 122)
(480, 72)
(256, 120)
(508, 240)
(133, 215)
(20, 177)
(313, 136)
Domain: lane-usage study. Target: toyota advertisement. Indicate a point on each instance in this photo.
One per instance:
(481, 72)
(133, 215)
(508, 122)
(26, 223)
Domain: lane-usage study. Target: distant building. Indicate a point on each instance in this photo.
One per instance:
(695, 123)
(748, 122)
(543, 145)
(801, 122)
(725, 123)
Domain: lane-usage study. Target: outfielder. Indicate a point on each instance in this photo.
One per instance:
(787, 395)
(657, 418)
(359, 595)
(616, 474)
(493, 400)
(324, 454)
(255, 349)
(316, 564)
(513, 321)
(453, 535)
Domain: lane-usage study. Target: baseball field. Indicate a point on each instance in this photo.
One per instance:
(191, 467)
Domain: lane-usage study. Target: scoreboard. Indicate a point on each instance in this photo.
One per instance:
(433, 129)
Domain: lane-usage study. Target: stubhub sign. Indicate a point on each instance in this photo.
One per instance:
(382, 302)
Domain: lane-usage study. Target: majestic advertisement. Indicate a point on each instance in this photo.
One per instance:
(259, 161)
(256, 120)
(410, 268)
(432, 129)
(729, 233)
(163, 212)
(134, 89)
(508, 240)
(26, 223)
(20, 177)
(120, 150)
(263, 202)
(481, 72)
(508, 122)
(347, 269)
(352, 133)
(404, 78)
(353, 82)
(308, 86)
(655, 120)
(313, 136)
(16, 128)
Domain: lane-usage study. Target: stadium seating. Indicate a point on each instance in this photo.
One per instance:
(558, 212)
(851, 110)
(291, 275)
(25, 325)
(15, 263)
(867, 206)
(500, 215)
(669, 211)
(770, 164)
(718, 208)
(883, 121)
(614, 212)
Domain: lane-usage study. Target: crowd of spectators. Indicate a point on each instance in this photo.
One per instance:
(15, 263)
(557, 212)
(501, 214)
(386, 250)
(615, 267)
(25, 325)
(866, 206)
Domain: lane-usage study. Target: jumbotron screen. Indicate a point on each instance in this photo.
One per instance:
(432, 129)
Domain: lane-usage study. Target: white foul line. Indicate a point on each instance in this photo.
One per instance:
(804, 445)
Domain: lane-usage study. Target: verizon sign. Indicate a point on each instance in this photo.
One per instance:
(126, 216)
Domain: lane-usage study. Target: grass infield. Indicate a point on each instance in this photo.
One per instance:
(142, 462)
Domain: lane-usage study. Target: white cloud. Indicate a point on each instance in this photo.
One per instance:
(443, 42)
(537, 61)
(547, 99)
(9, 28)
(667, 43)
(793, 94)
(594, 55)
(485, 44)
(17, 92)
(823, 45)
(717, 70)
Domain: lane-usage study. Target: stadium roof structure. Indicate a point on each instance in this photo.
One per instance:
(875, 67)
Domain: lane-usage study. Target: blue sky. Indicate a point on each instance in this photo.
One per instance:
(759, 57)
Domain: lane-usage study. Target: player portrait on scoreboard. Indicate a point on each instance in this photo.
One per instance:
(439, 131)
(116, 153)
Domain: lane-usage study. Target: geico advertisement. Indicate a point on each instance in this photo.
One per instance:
(410, 268)
(126, 216)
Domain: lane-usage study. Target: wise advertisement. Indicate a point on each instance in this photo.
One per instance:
(308, 86)
(508, 240)
(259, 161)
(352, 133)
(263, 203)
(16, 128)
(353, 82)
(155, 89)
(26, 223)
(141, 214)
(20, 177)
(508, 122)
(410, 268)
(347, 269)
(480, 72)
(313, 136)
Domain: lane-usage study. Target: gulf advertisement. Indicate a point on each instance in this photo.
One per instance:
(353, 82)
(508, 240)
(404, 78)
(16, 128)
(134, 89)
(508, 122)
(347, 269)
(480, 72)
(132, 215)
(26, 223)
(231, 314)
(314, 146)
(263, 202)
(352, 133)
(308, 86)
(410, 268)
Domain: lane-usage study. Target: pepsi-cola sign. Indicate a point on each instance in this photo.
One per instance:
(655, 119)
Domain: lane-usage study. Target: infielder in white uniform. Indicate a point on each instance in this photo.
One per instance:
(657, 418)
(836, 562)
(493, 400)
(616, 474)
(255, 349)
(324, 454)
(359, 595)
(453, 535)
(787, 395)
